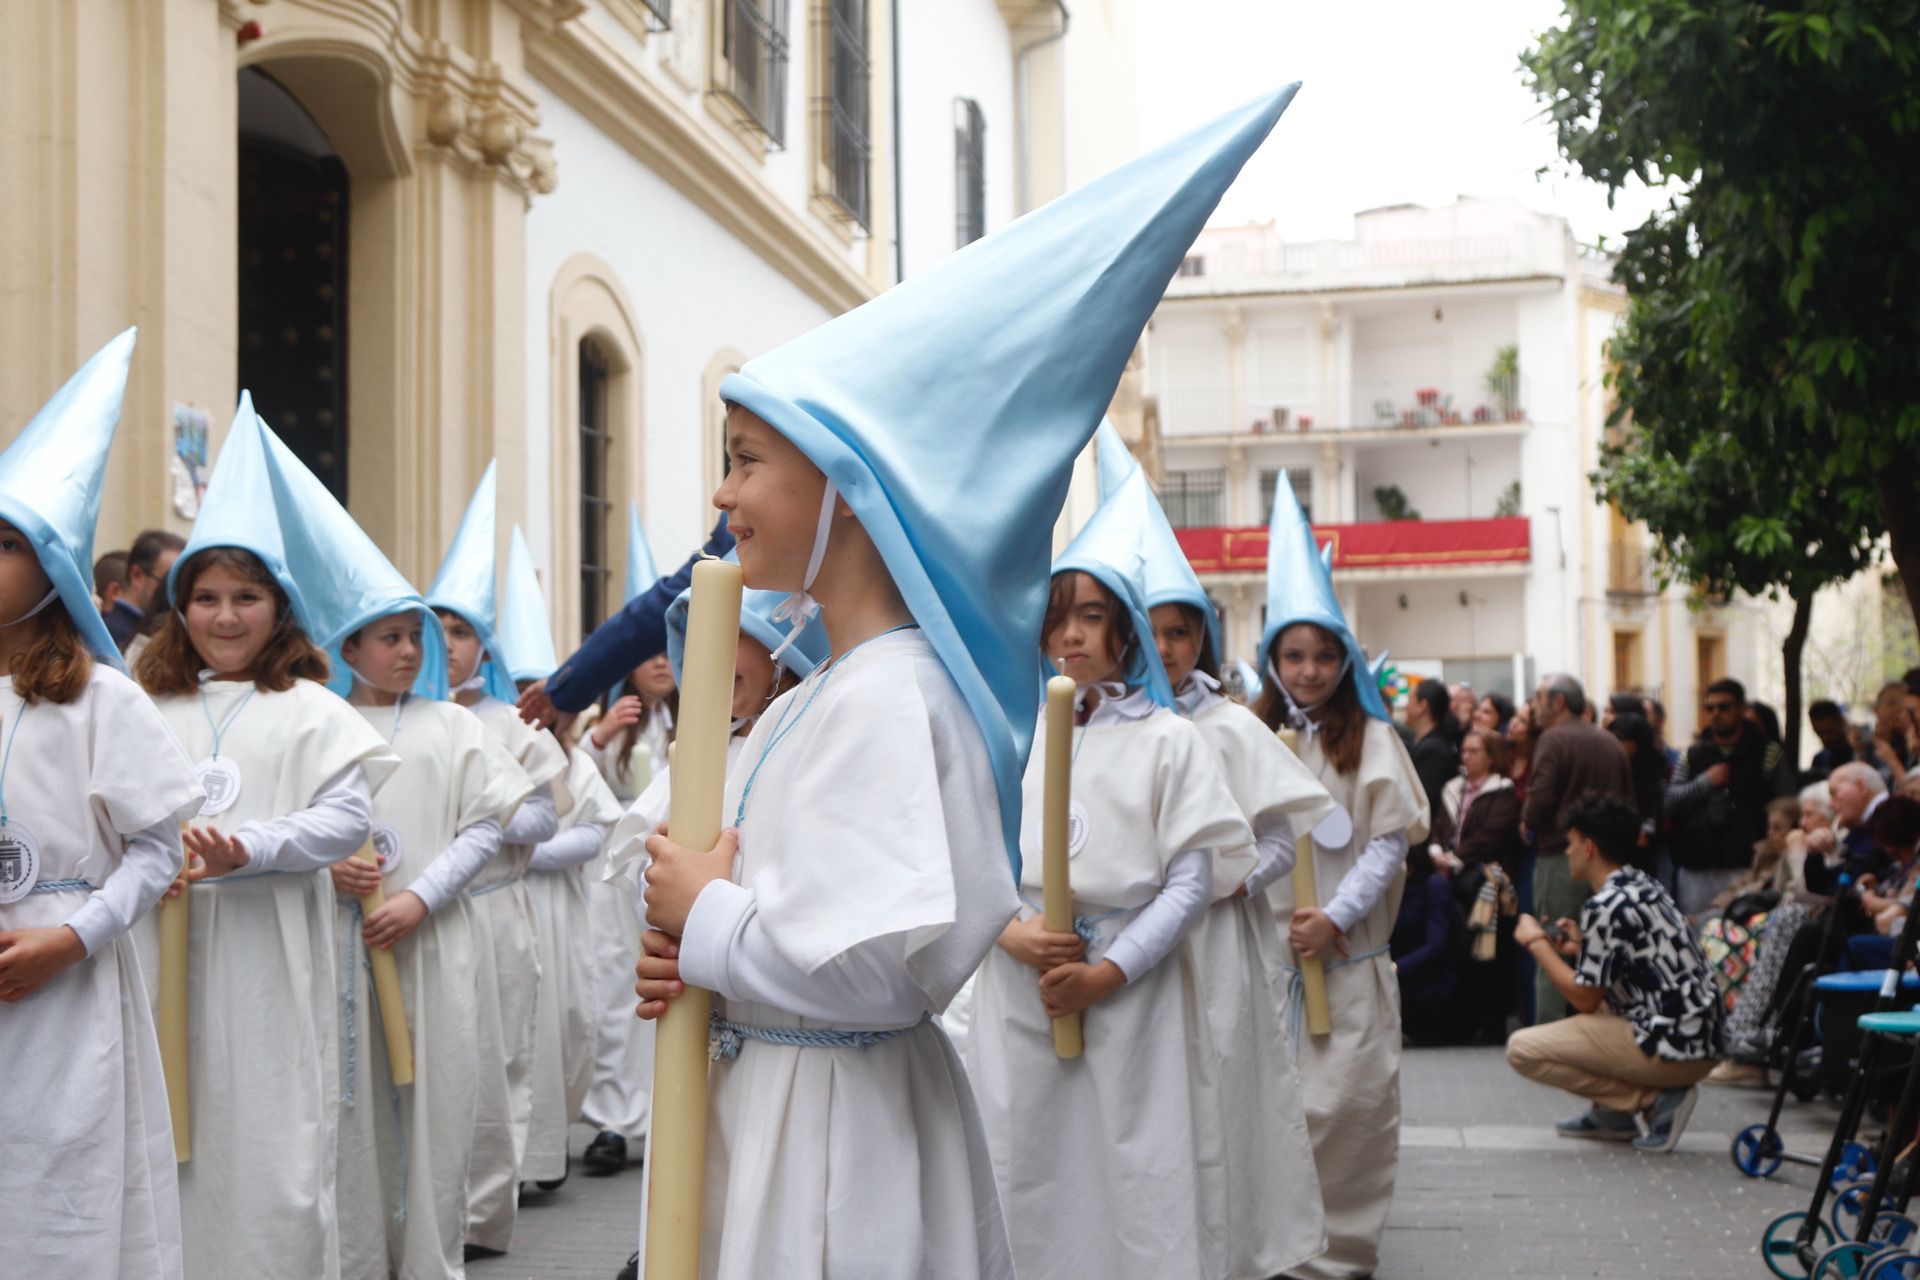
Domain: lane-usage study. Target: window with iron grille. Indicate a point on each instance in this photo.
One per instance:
(1194, 499)
(845, 147)
(596, 508)
(969, 172)
(1192, 265)
(1302, 490)
(753, 49)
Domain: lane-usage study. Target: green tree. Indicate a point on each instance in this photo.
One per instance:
(1769, 361)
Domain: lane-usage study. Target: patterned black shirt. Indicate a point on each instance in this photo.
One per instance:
(1635, 944)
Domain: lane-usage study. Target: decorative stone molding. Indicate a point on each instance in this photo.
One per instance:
(588, 75)
(475, 117)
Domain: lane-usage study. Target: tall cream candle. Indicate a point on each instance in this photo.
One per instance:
(676, 1163)
(386, 990)
(1306, 893)
(1057, 891)
(170, 1016)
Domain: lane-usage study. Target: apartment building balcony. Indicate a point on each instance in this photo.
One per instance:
(1362, 408)
(1376, 550)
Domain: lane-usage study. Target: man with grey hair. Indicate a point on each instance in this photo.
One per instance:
(1856, 789)
(1573, 759)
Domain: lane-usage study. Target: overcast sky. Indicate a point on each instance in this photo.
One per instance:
(1403, 101)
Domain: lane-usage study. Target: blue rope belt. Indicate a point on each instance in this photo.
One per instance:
(1297, 990)
(353, 944)
(1087, 927)
(63, 886)
(725, 1039)
(495, 887)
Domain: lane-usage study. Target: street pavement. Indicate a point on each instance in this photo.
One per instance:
(1485, 1189)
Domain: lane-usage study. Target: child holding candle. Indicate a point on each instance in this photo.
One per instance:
(464, 594)
(1104, 1141)
(1318, 684)
(557, 886)
(899, 469)
(92, 792)
(289, 772)
(402, 1151)
(1274, 1219)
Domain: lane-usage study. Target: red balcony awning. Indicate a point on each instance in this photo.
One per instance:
(1387, 544)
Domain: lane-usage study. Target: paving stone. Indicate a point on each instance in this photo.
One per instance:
(1485, 1189)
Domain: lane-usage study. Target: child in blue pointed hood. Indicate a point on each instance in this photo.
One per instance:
(464, 594)
(91, 798)
(1319, 685)
(1155, 838)
(899, 470)
(290, 772)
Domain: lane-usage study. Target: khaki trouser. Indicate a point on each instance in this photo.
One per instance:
(1594, 1056)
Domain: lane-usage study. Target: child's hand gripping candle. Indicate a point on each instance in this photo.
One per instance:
(1306, 893)
(680, 1052)
(170, 1012)
(1057, 894)
(386, 986)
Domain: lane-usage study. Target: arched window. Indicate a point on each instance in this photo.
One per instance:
(596, 503)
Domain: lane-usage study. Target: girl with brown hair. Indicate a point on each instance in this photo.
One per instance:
(1318, 685)
(289, 771)
(92, 790)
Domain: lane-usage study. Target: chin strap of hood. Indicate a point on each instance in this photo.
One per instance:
(800, 607)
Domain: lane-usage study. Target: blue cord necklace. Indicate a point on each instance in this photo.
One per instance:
(781, 728)
(219, 778)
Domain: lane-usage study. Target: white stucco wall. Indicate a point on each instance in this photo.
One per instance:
(948, 51)
(696, 291)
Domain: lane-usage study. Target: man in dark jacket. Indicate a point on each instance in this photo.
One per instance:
(1573, 759)
(1718, 798)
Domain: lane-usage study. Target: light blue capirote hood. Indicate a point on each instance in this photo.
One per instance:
(466, 582)
(641, 572)
(525, 627)
(1300, 589)
(756, 620)
(346, 579)
(948, 411)
(239, 509)
(50, 483)
(1166, 577)
(1110, 547)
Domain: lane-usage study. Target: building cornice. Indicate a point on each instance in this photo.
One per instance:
(1415, 288)
(594, 79)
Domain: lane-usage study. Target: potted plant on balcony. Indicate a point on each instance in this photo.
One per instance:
(1503, 381)
(1393, 504)
(1306, 422)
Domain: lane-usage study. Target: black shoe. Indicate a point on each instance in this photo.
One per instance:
(631, 1271)
(607, 1153)
(475, 1251)
(561, 1181)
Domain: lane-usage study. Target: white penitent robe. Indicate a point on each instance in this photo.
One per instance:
(1274, 1218)
(621, 1091)
(87, 1173)
(506, 940)
(404, 1150)
(872, 879)
(1113, 1164)
(258, 1197)
(563, 1029)
(1351, 1078)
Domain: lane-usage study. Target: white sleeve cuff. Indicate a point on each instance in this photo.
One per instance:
(717, 916)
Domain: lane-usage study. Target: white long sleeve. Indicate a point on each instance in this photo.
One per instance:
(571, 848)
(334, 826)
(1153, 934)
(536, 820)
(1367, 881)
(472, 849)
(1274, 850)
(152, 859)
(725, 949)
